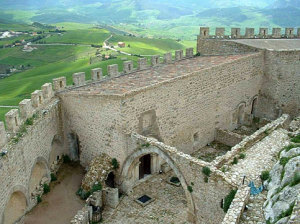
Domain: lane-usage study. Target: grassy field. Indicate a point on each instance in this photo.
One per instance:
(148, 46)
(86, 36)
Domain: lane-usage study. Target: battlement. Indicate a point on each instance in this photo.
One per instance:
(15, 118)
(263, 33)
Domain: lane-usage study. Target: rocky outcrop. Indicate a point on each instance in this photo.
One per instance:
(283, 186)
(98, 171)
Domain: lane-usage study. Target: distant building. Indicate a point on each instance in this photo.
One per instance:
(121, 44)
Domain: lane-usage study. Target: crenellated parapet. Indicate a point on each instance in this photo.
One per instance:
(235, 33)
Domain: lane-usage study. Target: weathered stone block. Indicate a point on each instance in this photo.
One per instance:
(113, 70)
(97, 74)
(276, 32)
(289, 32)
(249, 33)
(263, 32)
(142, 63)
(128, 66)
(47, 91)
(26, 109)
(37, 98)
(204, 32)
(12, 120)
(235, 32)
(111, 197)
(155, 60)
(59, 83)
(3, 138)
(168, 57)
(178, 55)
(79, 78)
(220, 31)
(189, 52)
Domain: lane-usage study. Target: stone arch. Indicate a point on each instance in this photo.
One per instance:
(39, 170)
(16, 205)
(241, 113)
(56, 149)
(254, 105)
(128, 165)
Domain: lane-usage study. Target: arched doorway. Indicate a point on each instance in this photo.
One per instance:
(254, 107)
(110, 180)
(74, 145)
(56, 149)
(38, 171)
(130, 168)
(15, 207)
(144, 166)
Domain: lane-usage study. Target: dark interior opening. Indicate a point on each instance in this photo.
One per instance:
(144, 198)
(110, 181)
(145, 166)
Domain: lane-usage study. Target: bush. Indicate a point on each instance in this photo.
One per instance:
(206, 171)
(146, 145)
(53, 177)
(296, 179)
(296, 139)
(265, 175)
(256, 120)
(242, 156)
(82, 194)
(38, 199)
(66, 159)
(96, 187)
(286, 213)
(115, 163)
(29, 121)
(206, 179)
(198, 54)
(284, 161)
(228, 200)
(289, 147)
(190, 189)
(46, 188)
(235, 161)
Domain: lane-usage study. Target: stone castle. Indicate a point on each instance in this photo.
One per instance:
(153, 119)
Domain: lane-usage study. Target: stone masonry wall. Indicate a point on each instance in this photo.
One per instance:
(196, 104)
(221, 47)
(35, 146)
(281, 84)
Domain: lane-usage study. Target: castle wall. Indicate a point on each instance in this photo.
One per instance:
(96, 121)
(186, 111)
(281, 84)
(35, 146)
(221, 47)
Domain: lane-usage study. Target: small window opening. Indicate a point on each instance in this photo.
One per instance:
(222, 203)
(236, 32)
(40, 99)
(290, 32)
(204, 32)
(57, 158)
(98, 75)
(156, 60)
(129, 67)
(61, 84)
(16, 121)
(264, 32)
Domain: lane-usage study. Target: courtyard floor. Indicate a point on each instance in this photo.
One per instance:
(61, 203)
(169, 206)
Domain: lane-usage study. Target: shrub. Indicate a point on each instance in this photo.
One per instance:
(29, 121)
(190, 189)
(38, 199)
(286, 213)
(235, 161)
(242, 156)
(267, 132)
(66, 159)
(228, 200)
(206, 171)
(256, 120)
(115, 163)
(198, 54)
(265, 175)
(206, 179)
(289, 147)
(96, 187)
(46, 188)
(296, 139)
(147, 144)
(296, 179)
(284, 161)
(83, 194)
(53, 177)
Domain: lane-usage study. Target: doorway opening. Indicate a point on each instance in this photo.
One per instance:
(145, 166)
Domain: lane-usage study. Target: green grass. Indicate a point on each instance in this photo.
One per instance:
(85, 36)
(146, 46)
